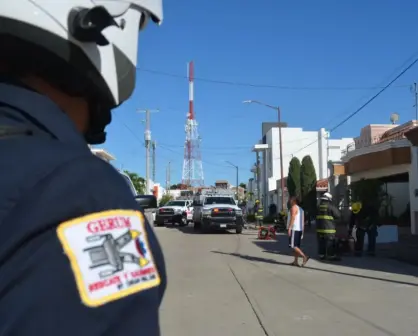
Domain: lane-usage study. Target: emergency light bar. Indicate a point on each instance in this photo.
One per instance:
(217, 192)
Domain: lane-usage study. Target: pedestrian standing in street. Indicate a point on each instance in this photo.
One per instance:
(295, 231)
(77, 256)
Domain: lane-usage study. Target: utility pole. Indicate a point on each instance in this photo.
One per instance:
(258, 177)
(153, 160)
(279, 119)
(147, 138)
(237, 169)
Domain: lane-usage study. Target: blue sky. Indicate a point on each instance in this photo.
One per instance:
(315, 47)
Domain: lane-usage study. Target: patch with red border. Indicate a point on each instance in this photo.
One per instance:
(110, 255)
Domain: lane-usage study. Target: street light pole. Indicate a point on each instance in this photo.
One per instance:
(277, 108)
(237, 168)
(237, 181)
(279, 117)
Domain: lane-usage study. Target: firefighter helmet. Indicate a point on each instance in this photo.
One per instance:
(96, 40)
(356, 207)
(327, 196)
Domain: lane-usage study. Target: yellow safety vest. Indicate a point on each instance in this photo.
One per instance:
(325, 220)
(259, 214)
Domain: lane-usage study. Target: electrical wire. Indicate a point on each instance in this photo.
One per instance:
(266, 86)
(203, 161)
(207, 148)
(243, 147)
(173, 151)
(351, 115)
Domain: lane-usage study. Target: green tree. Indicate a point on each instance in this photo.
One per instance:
(368, 192)
(293, 178)
(165, 199)
(308, 185)
(138, 182)
(243, 185)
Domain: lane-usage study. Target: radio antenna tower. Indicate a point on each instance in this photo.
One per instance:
(192, 164)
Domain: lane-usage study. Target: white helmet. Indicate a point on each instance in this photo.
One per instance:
(326, 196)
(98, 38)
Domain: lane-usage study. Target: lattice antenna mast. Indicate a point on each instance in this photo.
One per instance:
(192, 164)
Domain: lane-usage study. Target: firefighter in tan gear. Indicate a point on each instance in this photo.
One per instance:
(326, 229)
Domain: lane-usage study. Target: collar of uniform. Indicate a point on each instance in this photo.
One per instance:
(45, 111)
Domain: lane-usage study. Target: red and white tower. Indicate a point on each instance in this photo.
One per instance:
(192, 164)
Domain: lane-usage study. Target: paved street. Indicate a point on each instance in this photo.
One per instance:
(235, 285)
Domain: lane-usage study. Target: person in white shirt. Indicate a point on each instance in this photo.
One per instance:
(295, 229)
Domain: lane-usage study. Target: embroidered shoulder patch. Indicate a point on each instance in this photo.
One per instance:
(109, 254)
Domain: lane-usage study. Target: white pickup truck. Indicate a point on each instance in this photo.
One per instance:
(175, 212)
(217, 212)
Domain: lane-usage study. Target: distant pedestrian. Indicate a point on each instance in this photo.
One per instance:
(258, 212)
(295, 230)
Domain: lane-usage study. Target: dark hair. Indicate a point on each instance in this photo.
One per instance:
(294, 199)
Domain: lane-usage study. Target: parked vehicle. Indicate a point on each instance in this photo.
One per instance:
(175, 212)
(148, 204)
(217, 209)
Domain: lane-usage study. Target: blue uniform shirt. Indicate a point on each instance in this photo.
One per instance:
(61, 279)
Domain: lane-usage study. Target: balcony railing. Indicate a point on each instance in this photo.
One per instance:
(375, 140)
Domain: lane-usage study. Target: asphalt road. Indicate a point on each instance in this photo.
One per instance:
(235, 285)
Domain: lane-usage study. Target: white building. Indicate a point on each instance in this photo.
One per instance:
(384, 152)
(296, 143)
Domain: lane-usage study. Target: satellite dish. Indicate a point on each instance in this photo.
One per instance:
(394, 118)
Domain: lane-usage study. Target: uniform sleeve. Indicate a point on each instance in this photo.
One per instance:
(335, 212)
(352, 221)
(46, 282)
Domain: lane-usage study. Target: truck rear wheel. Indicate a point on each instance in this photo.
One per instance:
(238, 230)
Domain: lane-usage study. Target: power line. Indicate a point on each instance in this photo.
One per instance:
(211, 148)
(351, 115)
(204, 161)
(266, 86)
(384, 88)
(243, 147)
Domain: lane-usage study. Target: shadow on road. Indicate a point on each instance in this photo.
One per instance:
(280, 246)
(275, 262)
